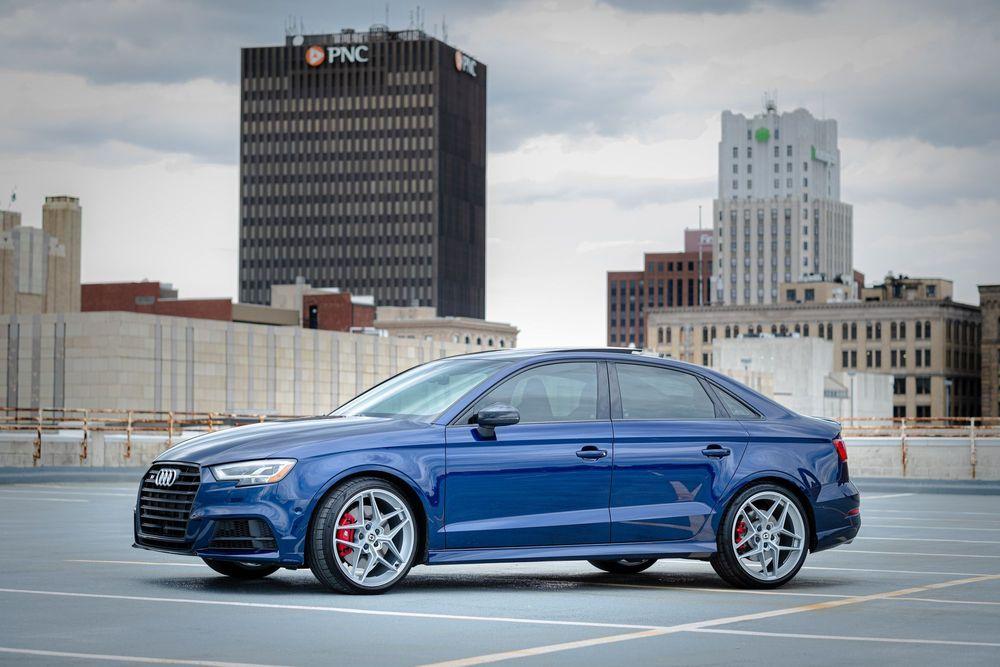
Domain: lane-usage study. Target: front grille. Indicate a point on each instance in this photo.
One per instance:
(164, 510)
(242, 535)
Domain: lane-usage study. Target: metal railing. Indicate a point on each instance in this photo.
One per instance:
(921, 427)
(123, 422)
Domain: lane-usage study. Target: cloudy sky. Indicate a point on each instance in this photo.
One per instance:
(603, 129)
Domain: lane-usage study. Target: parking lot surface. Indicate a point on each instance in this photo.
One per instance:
(920, 585)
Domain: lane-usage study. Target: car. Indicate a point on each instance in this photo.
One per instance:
(606, 455)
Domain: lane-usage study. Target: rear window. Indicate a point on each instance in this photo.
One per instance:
(651, 392)
(735, 406)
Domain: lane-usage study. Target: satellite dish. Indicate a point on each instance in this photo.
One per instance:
(297, 40)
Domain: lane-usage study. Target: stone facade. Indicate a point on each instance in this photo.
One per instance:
(40, 268)
(150, 362)
(931, 348)
(422, 323)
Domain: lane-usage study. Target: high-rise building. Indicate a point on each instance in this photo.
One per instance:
(667, 280)
(989, 302)
(363, 167)
(778, 217)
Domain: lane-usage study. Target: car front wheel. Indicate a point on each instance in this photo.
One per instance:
(364, 537)
(763, 538)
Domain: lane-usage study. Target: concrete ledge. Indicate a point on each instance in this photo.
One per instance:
(70, 475)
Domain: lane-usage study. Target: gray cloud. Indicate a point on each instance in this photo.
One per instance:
(624, 192)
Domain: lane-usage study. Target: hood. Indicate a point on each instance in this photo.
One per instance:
(292, 439)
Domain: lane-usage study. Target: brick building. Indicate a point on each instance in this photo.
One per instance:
(989, 304)
(668, 280)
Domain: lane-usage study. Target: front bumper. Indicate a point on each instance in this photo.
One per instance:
(270, 510)
(837, 513)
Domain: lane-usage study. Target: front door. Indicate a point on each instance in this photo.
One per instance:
(544, 481)
(675, 453)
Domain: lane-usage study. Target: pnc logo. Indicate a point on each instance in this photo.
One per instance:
(464, 63)
(317, 55)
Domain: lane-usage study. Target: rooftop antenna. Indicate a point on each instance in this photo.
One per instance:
(411, 19)
(444, 29)
(13, 199)
(387, 13)
(771, 101)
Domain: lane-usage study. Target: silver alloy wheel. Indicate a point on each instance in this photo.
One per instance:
(768, 536)
(374, 538)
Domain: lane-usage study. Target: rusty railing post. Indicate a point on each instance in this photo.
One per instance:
(902, 442)
(972, 445)
(84, 443)
(170, 429)
(128, 437)
(37, 454)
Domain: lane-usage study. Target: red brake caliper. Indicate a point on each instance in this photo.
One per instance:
(741, 531)
(346, 534)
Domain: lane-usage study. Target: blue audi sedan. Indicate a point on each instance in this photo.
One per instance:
(606, 455)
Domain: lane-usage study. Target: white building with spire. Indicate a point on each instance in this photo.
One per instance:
(778, 216)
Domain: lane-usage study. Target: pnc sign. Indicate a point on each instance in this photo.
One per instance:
(464, 63)
(317, 55)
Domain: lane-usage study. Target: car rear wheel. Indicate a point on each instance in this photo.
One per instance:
(763, 538)
(364, 537)
(624, 565)
(239, 570)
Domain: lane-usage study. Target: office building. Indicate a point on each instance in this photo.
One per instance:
(778, 217)
(363, 167)
(667, 280)
(421, 323)
(930, 346)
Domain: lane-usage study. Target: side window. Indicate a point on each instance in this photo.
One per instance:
(649, 392)
(549, 393)
(735, 407)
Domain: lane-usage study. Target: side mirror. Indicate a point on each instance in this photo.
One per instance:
(496, 414)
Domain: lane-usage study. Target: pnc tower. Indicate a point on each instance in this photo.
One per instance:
(363, 167)
(778, 217)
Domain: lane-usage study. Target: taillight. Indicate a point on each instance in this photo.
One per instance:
(841, 449)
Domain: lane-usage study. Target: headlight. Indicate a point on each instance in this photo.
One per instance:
(246, 473)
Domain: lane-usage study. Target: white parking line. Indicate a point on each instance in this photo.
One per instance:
(127, 658)
(941, 601)
(57, 500)
(909, 553)
(697, 625)
(923, 511)
(949, 528)
(853, 569)
(337, 610)
(890, 640)
(928, 539)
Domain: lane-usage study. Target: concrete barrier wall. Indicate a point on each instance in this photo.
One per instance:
(922, 458)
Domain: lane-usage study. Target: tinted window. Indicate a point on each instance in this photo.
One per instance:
(736, 407)
(649, 392)
(550, 393)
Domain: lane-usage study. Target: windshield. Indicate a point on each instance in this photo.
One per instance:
(423, 392)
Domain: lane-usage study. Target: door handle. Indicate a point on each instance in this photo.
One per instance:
(716, 451)
(591, 453)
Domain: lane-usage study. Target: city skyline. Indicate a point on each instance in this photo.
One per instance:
(603, 124)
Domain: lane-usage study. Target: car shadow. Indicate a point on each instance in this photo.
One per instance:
(431, 580)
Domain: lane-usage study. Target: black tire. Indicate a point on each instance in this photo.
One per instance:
(322, 553)
(624, 565)
(237, 570)
(725, 562)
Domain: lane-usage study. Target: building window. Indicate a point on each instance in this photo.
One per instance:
(899, 411)
(854, 330)
(869, 358)
(923, 385)
(899, 386)
(810, 294)
(790, 295)
(878, 358)
(736, 153)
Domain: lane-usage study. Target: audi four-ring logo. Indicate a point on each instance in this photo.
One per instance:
(166, 476)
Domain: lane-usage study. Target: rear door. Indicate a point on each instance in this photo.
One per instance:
(544, 481)
(676, 449)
